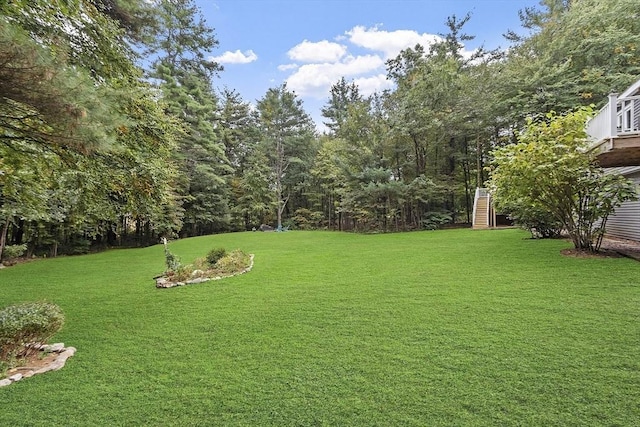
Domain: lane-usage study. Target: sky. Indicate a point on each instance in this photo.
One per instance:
(311, 44)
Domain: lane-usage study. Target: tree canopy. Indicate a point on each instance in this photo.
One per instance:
(100, 147)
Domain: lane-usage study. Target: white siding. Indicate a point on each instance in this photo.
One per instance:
(624, 223)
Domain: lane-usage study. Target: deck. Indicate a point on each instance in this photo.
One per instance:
(615, 131)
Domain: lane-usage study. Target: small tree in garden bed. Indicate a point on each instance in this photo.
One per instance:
(550, 170)
(171, 260)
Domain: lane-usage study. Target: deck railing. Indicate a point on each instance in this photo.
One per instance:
(621, 116)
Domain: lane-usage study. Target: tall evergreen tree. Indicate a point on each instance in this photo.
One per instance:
(182, 42)
(238, 130)
(335, 111)
(288, 135)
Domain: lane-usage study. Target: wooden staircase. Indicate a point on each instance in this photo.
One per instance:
(483, 215)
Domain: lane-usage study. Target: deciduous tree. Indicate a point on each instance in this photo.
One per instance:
(549, 169)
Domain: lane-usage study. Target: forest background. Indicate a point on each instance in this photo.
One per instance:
(112, 131)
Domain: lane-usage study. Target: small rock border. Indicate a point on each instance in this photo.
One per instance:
(58, 363)
(164, 282)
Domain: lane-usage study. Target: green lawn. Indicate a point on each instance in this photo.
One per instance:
(454, 327)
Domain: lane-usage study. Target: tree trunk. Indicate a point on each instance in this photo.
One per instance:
(18, 233)
(467, 180)
(3, 236)
(478, 163)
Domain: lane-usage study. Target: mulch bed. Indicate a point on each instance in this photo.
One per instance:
(603, 253)
(611, 248)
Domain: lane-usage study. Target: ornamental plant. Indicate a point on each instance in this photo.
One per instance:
(23, 327)
(551, 169)
(171, 260)
(215, 255)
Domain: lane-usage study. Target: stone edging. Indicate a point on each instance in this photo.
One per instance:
(57, 364)
(163, 282)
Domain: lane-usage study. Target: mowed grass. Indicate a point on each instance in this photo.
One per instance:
(419, 329)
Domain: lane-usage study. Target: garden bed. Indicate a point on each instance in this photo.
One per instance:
(50, 358)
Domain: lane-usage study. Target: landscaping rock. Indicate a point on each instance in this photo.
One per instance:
(55, 348)
(43, 369)
(66, 354)
(197, 280)
(163, 282)
(58, 363)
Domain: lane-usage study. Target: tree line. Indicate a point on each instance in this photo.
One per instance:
(113, 132)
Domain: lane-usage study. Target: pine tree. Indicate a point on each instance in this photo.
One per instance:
(184, 75)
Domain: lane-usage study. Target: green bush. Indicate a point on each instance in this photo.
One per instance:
(538, 220)
(13, 251)
(235, 262)
(215, 255)
(435, 220)
(25, 324)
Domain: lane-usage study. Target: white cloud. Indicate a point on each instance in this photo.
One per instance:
(468, 54)
(322, 51)
(316, 79)
(324, 62)
(360, 64)
(389, 42)
(313, 79)
(287, 67)
(236, 57)
(370, 85)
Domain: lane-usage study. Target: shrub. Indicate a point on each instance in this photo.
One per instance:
(539, 221)
(551, 168)
(215, 255)
(13, 251)
(435, 220)
(234, 262)
(24, 324)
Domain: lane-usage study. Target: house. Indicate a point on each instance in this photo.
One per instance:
(624, 223)
(615, 137)
(614, 134)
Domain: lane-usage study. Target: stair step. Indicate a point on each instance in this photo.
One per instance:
(482, 211)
